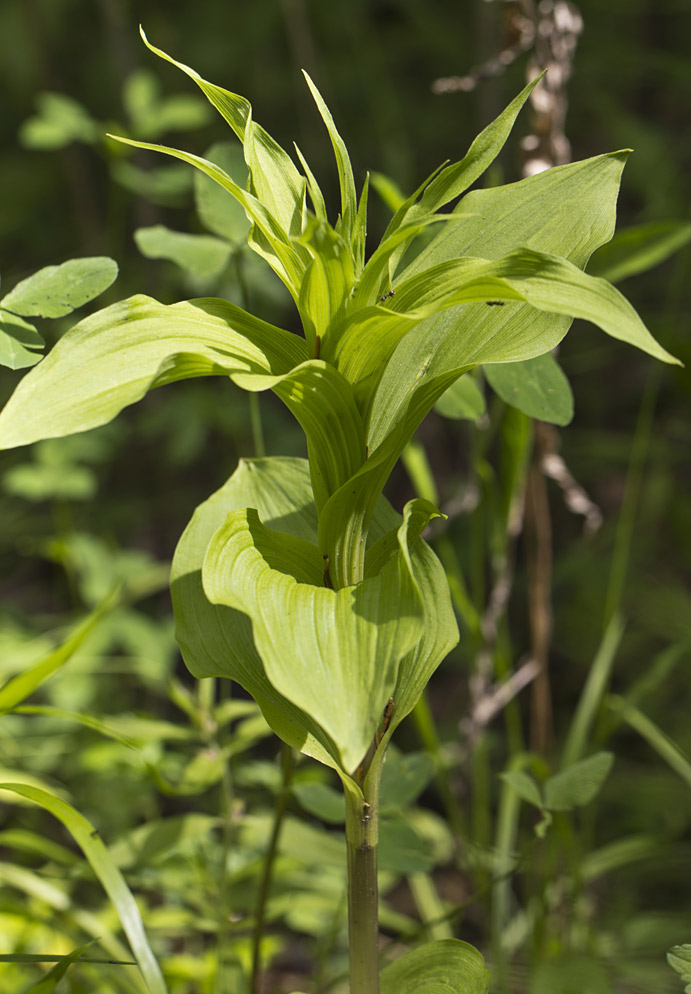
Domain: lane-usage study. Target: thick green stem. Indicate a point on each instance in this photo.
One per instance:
(362, 831)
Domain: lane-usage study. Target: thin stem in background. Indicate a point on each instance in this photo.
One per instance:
(269, 862)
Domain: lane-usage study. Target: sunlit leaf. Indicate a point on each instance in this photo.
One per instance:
(112, 880)
(51, 980)
(58, 290)
(20, 342)
(112, 358)
(679, 958)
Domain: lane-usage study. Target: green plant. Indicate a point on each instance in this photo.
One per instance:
(297, 579)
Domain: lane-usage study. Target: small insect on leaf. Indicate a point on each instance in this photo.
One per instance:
(495, 303)
(391, 293)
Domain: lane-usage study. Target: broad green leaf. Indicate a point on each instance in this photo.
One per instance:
(346, 180)
(538, 387)
(275, 180)
(110, 877)
(216, 640)
(578, 784)
(20, 343)
(447, 966)
(219, 212)
(112, 358)
(524, 785)
(58, 290)
(322, 401)
(463, 399)
(336, 656)
(51, 980)
(202, 255)
(679, 958)
(635, 250)
(401, 848)
(567, 211)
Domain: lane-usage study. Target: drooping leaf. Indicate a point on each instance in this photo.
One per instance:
(463, 399)
(579, 783)
(447, 966)
(538, 387)
(271, 240)
(275, 179)
(637, 249)
(202, 255)
(20, 342)
(58, 290)
(567, 211)
(112, 358)
(110, 877)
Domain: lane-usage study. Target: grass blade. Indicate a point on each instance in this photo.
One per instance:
(110, 877)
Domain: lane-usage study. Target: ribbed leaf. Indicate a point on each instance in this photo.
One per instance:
(333, 653)
(275, 179)
(447, 966)
(327, 283)
(112, 880)
(568, 212)
(218, 640)
(112, 358)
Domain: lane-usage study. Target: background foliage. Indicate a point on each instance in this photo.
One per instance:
(181, 781)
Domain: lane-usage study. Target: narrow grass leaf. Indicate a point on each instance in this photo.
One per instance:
(346, 180)
(24, 684)
(112, 880)
(663, 745)
(635, 250)
(51, 980)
